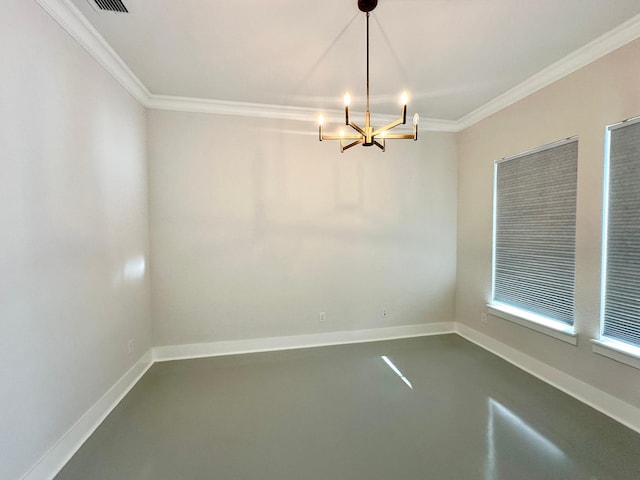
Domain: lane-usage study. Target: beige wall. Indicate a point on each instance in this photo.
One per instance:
(257, 227)
(582, 104)
(73, 222)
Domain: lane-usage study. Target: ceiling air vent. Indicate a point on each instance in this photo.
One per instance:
(109, 5)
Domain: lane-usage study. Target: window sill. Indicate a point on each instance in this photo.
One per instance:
(549, 327)
(618, 351)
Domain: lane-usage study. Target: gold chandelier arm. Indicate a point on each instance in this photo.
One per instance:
(340, 137)
(357, 129)
(402, 136)
(344, 147)
(380, 145)
(388, 126)
(401, 121)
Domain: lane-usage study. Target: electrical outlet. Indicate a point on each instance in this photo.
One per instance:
(323, 316)
(131, 345)
(483, 317)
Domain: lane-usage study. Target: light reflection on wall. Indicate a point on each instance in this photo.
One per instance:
(132, 270)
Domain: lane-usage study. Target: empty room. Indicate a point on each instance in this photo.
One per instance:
(350, 240)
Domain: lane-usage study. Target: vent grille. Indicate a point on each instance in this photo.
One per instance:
(111, 5)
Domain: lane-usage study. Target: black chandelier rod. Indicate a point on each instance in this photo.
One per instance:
(367, 64)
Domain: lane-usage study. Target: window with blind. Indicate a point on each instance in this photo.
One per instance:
(621, 259)
(534, 234)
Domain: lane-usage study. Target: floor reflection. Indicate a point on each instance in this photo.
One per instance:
(397, 371)
(517, 450)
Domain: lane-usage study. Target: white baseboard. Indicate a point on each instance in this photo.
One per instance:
(59, 454)
(611, 406)
(212, 349)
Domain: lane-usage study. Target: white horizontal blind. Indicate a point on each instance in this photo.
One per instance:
(622, 249)
(535, 230)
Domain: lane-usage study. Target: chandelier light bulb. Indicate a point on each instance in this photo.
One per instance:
(403, 98)
(416, 119)
(342, 133)
(320, 120)
(347, 99)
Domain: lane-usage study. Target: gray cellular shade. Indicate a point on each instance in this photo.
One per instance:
(622, 259)
(535, 231)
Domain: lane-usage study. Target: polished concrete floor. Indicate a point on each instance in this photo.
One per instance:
(422, 408)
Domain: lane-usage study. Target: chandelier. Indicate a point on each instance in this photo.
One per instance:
(368, 135)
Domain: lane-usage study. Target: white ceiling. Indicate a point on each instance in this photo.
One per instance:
(453, 56)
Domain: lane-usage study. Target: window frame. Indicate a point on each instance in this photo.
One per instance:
(543, 324)
(619, 350)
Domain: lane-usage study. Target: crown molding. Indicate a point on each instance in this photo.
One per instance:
(439, 125)
(592, 51)
(239, 109)
(277, 112)
(77, 25)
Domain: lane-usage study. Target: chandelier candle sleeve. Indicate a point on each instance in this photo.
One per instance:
(403, 102)
(347, 101)
(368, 135)
(320, 123)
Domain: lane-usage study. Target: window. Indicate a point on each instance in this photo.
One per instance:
(534, 238)
(621, 253)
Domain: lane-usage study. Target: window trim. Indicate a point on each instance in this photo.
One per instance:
(545, 325)
(616, 350)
